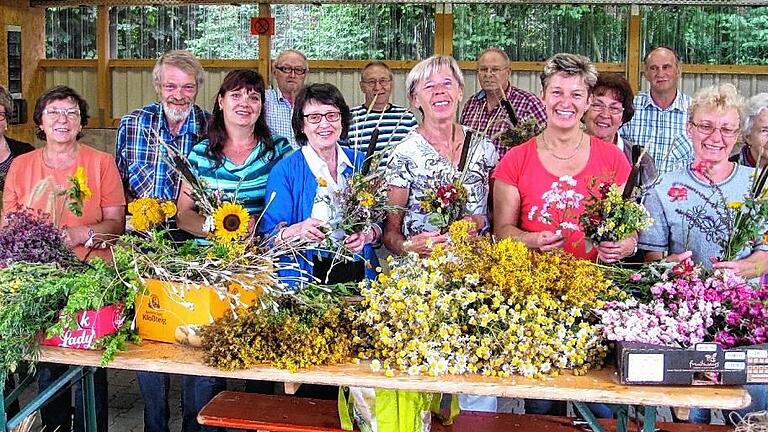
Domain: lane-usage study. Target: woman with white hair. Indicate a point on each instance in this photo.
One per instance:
(754, 130)
(435, 87)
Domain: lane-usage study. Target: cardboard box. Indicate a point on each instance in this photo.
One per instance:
(163, 315)
(702, 364)
(91, 326)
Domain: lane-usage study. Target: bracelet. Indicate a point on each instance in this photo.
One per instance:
(91, 234)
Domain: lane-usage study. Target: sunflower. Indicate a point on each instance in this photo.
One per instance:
(230, 222)
(80, 182)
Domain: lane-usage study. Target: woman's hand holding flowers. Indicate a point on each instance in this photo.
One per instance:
(355, 242)
(310, 229)
(610, 252)
(544, 240)
(479, 223)
(423, 243)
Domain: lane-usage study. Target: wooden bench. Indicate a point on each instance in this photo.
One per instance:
(275, 413)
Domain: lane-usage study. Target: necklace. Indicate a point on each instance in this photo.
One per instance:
(569, 157)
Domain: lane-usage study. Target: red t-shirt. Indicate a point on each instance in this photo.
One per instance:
(31, 183)
(522, 168)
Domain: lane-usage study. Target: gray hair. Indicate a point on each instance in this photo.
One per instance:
(181, 59)
(427, 67)
(6, 101)
(570, 65)
(755, 106)
(292, 51)
(718, 98)
(498, 51)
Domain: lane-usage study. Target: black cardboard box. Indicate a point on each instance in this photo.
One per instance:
(702, 364)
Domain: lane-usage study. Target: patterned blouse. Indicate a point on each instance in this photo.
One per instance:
(415, 162)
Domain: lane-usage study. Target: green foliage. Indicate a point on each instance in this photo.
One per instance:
(70, 33)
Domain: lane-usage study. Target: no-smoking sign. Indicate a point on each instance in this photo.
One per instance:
(263, 26)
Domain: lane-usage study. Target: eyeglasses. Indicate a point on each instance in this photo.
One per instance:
(298, 70)
(432, 86)
(612, 110)
(172, 88)
(251, 97)
(708, 129)
(3, 116)
(72, 113)
(381, 81)
(490, 70)
(314, 118)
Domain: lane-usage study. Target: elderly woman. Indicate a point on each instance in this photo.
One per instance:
(305, 183)
(713, 127)
(754, 130)
(611, 108)
(35, 181)
(9, 148)
(563, 149)
(435, 87)
(239, 152)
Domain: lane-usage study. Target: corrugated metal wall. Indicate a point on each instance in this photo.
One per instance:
(132, 88)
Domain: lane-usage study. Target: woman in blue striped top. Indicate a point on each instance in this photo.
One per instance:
(239, 152)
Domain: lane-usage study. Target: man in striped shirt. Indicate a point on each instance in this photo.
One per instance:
(661, 113)
(394, 122)
(483, 111)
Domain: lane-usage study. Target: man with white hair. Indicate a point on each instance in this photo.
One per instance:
(290, 69)
(178, 121)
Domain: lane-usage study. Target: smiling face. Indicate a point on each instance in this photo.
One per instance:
(566, 99)
(713, 147)
(662, 71)
(324, 134)
(438, 96)
(178, 91)
(757, 139)
(603, 118)
(240, 107)
(61, 121)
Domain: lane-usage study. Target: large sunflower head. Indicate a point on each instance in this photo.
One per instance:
(230, 222)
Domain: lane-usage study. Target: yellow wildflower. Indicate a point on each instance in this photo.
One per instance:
(230, 222)
(81, 182)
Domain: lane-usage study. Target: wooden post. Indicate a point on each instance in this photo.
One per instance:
(444, 29)
(634, 40)
(103, 77)
(265, 45)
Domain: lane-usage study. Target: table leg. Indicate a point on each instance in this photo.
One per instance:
(649, 416)
(622, 415)
(89, 399)
(43, 397)
(589, 417)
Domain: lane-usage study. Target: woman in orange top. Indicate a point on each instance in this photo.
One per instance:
(35, 180)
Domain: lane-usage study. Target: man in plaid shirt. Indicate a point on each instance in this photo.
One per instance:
(484, 113)
(175, 119)
(661, 113)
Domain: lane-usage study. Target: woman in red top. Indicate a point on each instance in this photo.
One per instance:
(563, 154)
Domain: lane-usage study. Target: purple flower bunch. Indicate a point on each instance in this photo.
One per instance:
(29, 236)
(685, 306)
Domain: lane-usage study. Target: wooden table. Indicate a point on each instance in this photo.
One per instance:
(597, 386)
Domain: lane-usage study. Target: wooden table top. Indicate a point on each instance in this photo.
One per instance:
(597, 386)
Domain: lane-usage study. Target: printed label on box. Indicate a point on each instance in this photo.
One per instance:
(706, 347)
(735, 355)
(734, 365)
(757, 353)
(91, 326)
(645, 367)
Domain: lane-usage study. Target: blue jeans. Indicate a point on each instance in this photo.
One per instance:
(195, 393)
(57, 413)
(758, 393)
(551, 407)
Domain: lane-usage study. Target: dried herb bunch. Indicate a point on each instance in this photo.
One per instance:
(30, 237)
(313, 327)
(520, 132)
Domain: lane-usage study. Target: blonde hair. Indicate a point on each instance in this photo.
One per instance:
(427, 67)
(181, 59)
(570, 65)
(718, 98)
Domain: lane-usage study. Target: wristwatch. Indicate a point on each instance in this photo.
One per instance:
(91, 234)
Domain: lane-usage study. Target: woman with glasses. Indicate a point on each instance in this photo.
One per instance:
(687, 204)
(435, 147)
(563, 152)
(304, 186)
(754, 131)
(611, 108)
(35, 181)
(239, 152)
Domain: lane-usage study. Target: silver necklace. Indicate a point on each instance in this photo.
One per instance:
(565, 158)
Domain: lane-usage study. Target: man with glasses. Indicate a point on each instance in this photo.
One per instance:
(290, 70)
(178, 121)
(662, 112)
(393, 122)
(483, 111)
